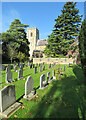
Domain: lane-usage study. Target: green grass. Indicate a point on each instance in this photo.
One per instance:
(63, 98)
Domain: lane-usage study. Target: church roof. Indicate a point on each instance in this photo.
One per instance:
(42, 42)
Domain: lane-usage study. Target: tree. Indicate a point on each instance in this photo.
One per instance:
(11, 52)
(6, 39)
(66, 28)
(82, 47)
(20, 41)
(15, 38)
(51, 48)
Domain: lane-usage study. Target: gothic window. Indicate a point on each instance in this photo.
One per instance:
(31, 34)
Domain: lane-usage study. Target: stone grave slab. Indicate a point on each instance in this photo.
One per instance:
(8, 100)
(29, 92)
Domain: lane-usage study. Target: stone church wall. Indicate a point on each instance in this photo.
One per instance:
(53, 60)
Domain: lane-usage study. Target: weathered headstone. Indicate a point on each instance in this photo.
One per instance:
(8, 100)
(48, 78)
(8, 75)
(35, 70)
(31, 66)
(43, 67)
(64, 67)
(54, 74)
(49, 66)
(61, 68)
(42, 81)
(29, 92)
(20, 74)
(40, 69)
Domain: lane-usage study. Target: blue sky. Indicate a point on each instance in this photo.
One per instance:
(34, 14)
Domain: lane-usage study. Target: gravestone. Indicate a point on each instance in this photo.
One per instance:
(54, 75)
(61, 68)
(48, 78)
(8, 100)
(43, 67)
(64, 67)
(35, 70)
(20, 74)
(43, 83)
(49, 66)
(29, 92)
(31, 66)
(8, 74)
(40, 69)
(15, 68)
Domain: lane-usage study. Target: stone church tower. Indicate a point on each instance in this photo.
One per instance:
(32, 36)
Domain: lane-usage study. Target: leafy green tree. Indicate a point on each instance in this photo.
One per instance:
(51, 48)
(6, 39)
(20, 41)
(15, 38)
(82, 47)
(66, 28)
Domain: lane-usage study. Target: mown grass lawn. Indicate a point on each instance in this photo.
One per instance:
(63, 98)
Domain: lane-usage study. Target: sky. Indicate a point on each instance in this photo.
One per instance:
(35, 14)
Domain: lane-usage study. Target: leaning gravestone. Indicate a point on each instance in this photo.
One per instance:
(29, 92)
(8, 74)
(20, 74)
(43, 83)
(40, 69)
(8, 100)
(49, 78)
(35, 70)
(54, 75)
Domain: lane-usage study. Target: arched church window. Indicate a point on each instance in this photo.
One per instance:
(31, 34)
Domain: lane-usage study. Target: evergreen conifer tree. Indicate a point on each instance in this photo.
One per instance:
(82, 47)
(66, 29)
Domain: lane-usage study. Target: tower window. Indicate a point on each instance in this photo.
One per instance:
(31, 34)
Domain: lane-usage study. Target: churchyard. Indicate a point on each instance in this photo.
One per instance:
(43, 90)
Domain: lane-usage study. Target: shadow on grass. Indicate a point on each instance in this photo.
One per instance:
(63, 100)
